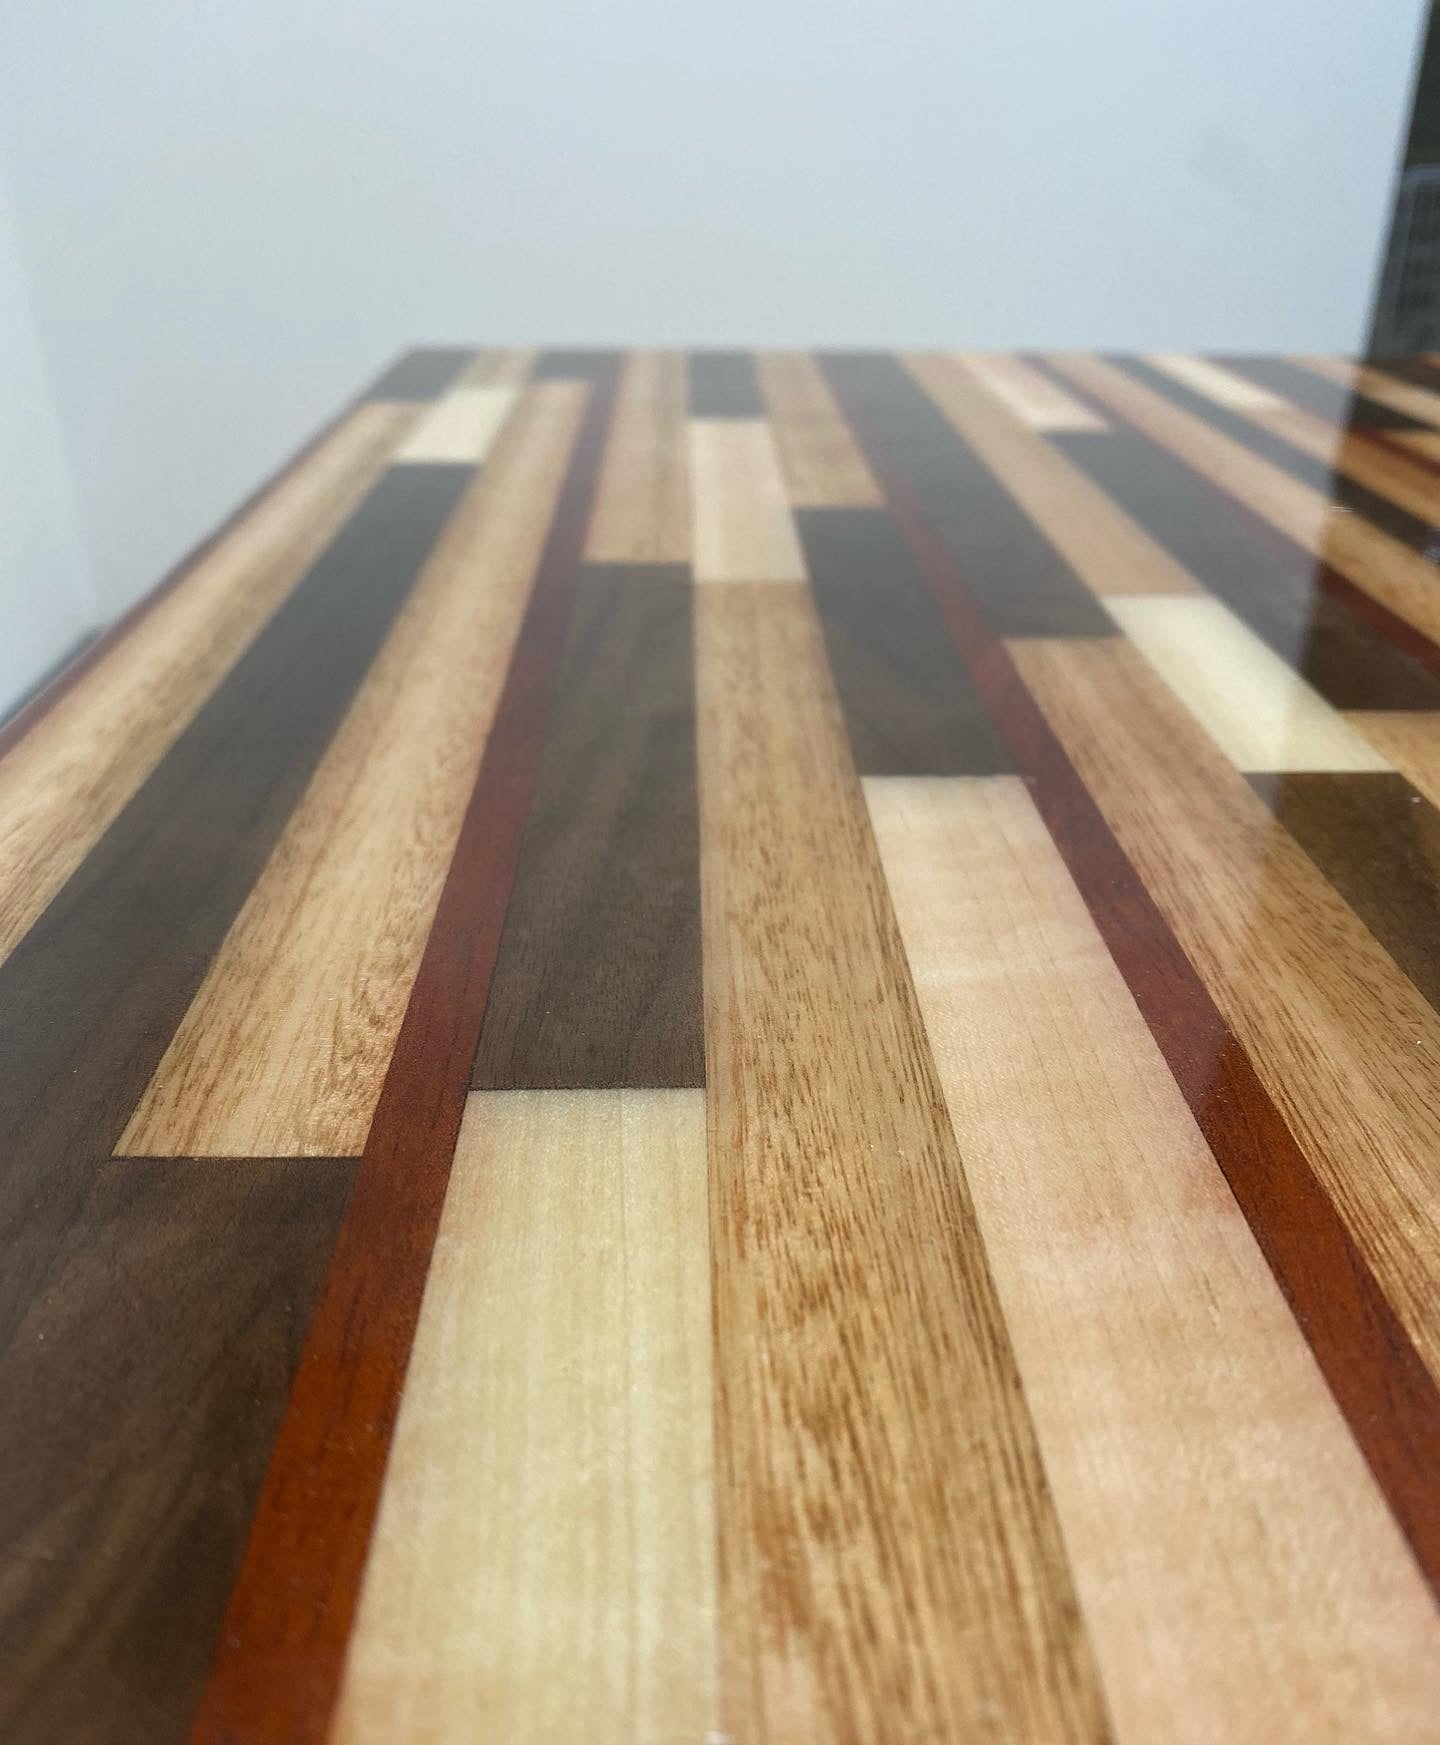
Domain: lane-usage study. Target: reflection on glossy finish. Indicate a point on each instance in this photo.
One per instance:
(981, 813)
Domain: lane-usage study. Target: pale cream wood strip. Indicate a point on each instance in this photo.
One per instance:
(1256, 708)
(1386, 569)
(498, 368)
(1035, 400)
(460, 428)
(822, 462)
(64, 782)
(1224, 387)
(1107, 550)
(1406, 397)
(1346, 1046)
(642, 510)
(543, 1565)
(1241, 1576)
(284, 1048)
(743, 530)
(890, 1564)
(1409, 740)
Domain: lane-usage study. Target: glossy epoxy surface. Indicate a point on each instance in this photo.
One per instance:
(742, 1049)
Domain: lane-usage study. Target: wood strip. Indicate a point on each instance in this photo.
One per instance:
(1343, 404)
(822, 466)
(723, 384)
(643, 511)
(1388, 1398)
(743, 529)
(909, 704)
(1425, 443)
(422, 374)
(284, 1049)
(282, 1643)
(143, 1390)
(1107, 550)
(1409, 742)
(543, 1569)
(1026, 586)
(1217, 383)
(1378, 842)
(598, 979)
(1032, 399)
(1421, 405)
(68, 778)
(507, 368)
(460, 428)
(883, 1504)
(1255, 708)
(1391, 572)
(1249, 907)
(1241, 1576)
(582, 365)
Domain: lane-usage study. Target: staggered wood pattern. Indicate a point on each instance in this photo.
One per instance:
(742, 1050)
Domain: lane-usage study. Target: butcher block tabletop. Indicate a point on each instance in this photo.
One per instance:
(742, 1049)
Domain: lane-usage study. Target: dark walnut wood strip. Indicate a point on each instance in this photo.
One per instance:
(723, 384)
(1387, 1395)
(423, 374)
(909, 703)
(1026, 586)
(575, 365)
(1377, 840)
(151, 1375)
(598, 980)
(1420, 372)
(281, 1648)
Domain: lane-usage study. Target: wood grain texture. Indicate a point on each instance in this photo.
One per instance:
(1247, 1584)
(1345, 404)
(1107, 550)
(889, 1559)
(284, 1048)
(822, 466)
(281, 1647)
(460, 428)
(743, 531)
(909, 704)
(1421, 405)
(1409, 742)
(543, 1568)
(133, 1456)
(642, 514)
(1222, 385)
(1392, 573)
(1037, 401)
(1251, 910)
(66, 781)
(1250, 702)
(598, 979)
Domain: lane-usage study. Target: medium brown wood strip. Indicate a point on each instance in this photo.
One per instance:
(1409, 742)
(598, 979)
(743, 531)
(543, 1568)
(889, 1560)
(1107, 550)
(284, 1048)
(141, 1395)
(281, 1647)
(1249, 907)
(65, 781)
(823, 468)
(1036, 401)
(642, 514)
(1239, 1572)
(507, 368)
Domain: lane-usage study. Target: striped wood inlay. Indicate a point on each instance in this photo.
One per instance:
(823, 468)
(1404, 397)
(1408, 741)
(1034, 400)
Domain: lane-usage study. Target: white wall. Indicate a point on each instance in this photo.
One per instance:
(234, 209)
(46, 598)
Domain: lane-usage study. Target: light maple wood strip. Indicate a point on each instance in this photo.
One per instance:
(742, 527)
(1035, 400)
(1254, 705)
(65, 781)
(1406, 397)
(823, 466)
(1224, 387)
(1240, 1574)
(890, 1564)
(1348, 1049)
(284, 1048)
(460, 428)
(1107, 550)
(1409, 740)
(499, 368)
(543, 1566)
(642, 514)
(1387, 570)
